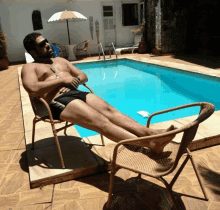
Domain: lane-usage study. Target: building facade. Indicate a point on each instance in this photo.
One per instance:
(107, 21)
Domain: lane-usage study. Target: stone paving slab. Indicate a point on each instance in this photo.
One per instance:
(15, 190)
(45, 167)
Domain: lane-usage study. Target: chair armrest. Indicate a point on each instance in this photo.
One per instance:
(206, 111)
(89, 88)
(37, 109)
(80, 45)
(201, 104)
(142, 140)
(46, 105)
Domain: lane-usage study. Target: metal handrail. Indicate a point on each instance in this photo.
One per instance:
(111, 43)
(100, 45)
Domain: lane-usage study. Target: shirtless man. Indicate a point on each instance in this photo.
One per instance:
(57, 80)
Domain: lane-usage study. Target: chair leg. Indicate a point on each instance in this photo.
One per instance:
(197, 174)
(112, 176)
(65, 128)
(169, 188)
(58, 145)
(103, 142)
(88, 53)
(33, 133)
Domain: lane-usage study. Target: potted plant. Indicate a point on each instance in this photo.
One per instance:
(142, 48)
(3, 51)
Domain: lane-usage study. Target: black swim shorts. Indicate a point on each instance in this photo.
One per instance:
(58, 104)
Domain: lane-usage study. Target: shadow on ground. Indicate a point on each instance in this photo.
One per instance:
(212, 178)
(209, 61)
(132, 193)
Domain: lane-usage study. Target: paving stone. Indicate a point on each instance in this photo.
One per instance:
(210, 159)
(36, 196)
(3, 166)
(214, 205)
(11, 141)
(40, 206)
(90, 192)
(12, 182)
(9, 200)
(65, 205)
(93, 204)
(66, 194)
(194, 203)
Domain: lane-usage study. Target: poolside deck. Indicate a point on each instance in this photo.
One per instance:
(91, 192)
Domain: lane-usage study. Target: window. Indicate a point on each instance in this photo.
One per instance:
(129, 14)
(36, 20)
(107, 11)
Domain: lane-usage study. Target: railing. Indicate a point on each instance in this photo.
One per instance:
(100, 45)
(111, 43)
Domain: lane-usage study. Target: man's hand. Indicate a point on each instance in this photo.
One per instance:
(69, 80)
(64, 89)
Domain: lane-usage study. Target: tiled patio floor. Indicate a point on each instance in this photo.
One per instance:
(91, 192)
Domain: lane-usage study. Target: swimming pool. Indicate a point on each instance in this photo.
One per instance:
(132, 86)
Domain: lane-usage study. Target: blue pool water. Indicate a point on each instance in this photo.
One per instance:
(132, 86)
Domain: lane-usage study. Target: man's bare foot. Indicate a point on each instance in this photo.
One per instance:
(158, 145)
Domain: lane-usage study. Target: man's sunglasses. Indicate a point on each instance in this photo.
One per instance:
(43, 43)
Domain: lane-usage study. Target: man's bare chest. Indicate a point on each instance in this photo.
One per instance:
(48, 72)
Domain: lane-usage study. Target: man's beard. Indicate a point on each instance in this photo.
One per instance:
(48, 55)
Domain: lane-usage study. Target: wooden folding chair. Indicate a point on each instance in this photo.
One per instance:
(130, 155)
(43, 113)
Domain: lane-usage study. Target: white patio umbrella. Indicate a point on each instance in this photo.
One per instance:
(66, 16)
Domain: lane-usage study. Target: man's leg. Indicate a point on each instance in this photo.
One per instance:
(78, 112)
(121, 119)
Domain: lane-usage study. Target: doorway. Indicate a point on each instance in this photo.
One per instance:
(108, 15)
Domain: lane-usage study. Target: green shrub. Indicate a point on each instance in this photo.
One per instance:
(3, 43)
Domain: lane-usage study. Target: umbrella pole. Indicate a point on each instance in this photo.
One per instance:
(68, 31)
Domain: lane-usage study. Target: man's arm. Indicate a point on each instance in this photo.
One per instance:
(39, 88)
(75, 72)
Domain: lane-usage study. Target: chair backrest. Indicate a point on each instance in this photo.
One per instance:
(41, 108)
(206, 110)
(189, 130)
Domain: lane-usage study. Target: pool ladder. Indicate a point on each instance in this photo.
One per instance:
(100, 46)
(111, 43)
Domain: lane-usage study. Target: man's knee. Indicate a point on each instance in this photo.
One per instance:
(102, 124)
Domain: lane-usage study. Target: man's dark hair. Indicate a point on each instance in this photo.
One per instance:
(29, 41)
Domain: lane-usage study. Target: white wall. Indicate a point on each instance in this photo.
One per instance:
(16, 22)
(124, 35)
